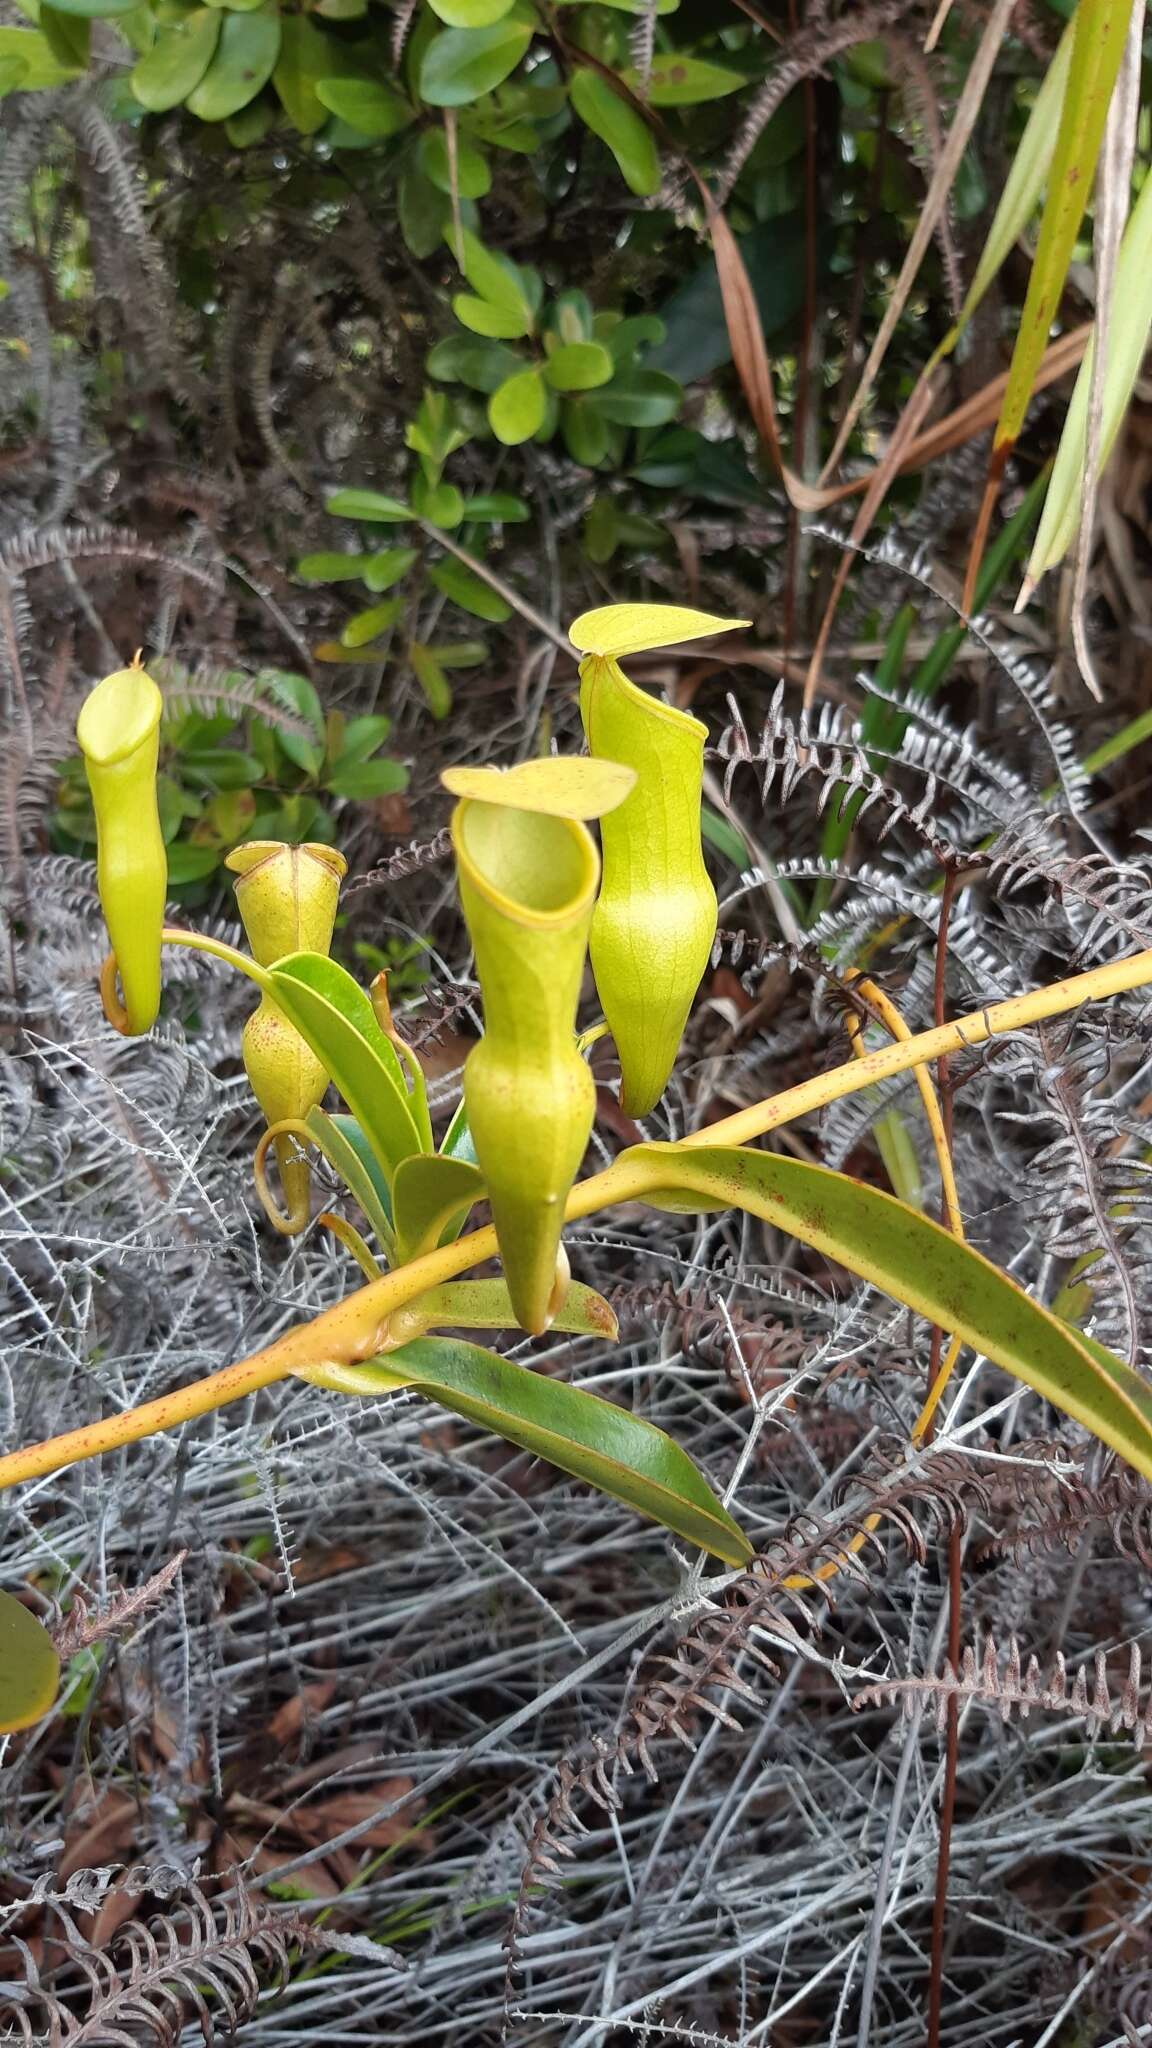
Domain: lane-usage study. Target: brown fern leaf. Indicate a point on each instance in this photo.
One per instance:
(1015, 1687)
(80, 1628)
(407, 861)
(198, 1962)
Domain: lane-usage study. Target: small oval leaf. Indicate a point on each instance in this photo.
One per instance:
(29, 1666)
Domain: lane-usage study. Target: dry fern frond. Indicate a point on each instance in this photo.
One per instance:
(197, 1961)
(1016, 1687)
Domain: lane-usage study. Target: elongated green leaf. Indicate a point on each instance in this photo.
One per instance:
(462, 64)
(332, 1012)
(619, 127)
(918, 1263)
(244, 61)
(372, 109)
(306, 55)
(1022, 187)
(487, 1305)
(581, 1434)
(28, 62)
(29, 1666)
(431, 1198)
(368, 505)
(347, 1150)
(1099, 33)
(177, 61)
(1128, 326)
(675, 81)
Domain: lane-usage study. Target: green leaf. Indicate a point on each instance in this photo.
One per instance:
(431, 1198)
(367, 106)
(461, 653)
(361, 781)
(347, 1150)
(241, 66)
(28, 62)
(725, 838)
(697, 339)
(430, 675)
(640, 330)
(177, 61)
(480, 366)
(96, 10)
(586, 435)
(516, 411)
(69, 36)
(191, 863)
(496, 323)
(298, 695)
(334, 1015)
(639, 398)
(487, 1305)
(473, 178)
(368, 625)
(471, 13)
(462, 64)
(916, 1262)
(676, 81)
(221, 768)
(440, 504)
(29, 1666)
(361, 737)
(387, 566)
(578, 1432)
(496, 508)
(620, 128)
(579, 366)
(331, 568)
(494, 277)
(371, 505)
(306, 54)
(423, 211)
(469, 591)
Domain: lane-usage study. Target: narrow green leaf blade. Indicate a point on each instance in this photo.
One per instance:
(918, 1263)
(592, 1439)
(348, 1152)
(332, 1012)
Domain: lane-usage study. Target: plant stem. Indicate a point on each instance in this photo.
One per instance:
(357, 1326)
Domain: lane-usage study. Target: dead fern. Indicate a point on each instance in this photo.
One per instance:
(197, 1962)
(1015, 1687)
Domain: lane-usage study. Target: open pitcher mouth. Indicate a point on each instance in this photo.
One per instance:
(541, 870)
(120, 714)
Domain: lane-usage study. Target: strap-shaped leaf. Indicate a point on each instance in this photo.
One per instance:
(918, 1263)
(347, 1150)
(487, 1305)
(431, 1198)
(333, 1013)
(590, 1438)
(29, 1666)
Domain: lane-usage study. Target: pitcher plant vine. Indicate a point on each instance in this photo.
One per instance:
(541, 899)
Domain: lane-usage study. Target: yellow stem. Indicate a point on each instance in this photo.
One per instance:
(357, 1326)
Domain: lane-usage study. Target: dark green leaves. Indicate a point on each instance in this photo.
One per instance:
(243, 62)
